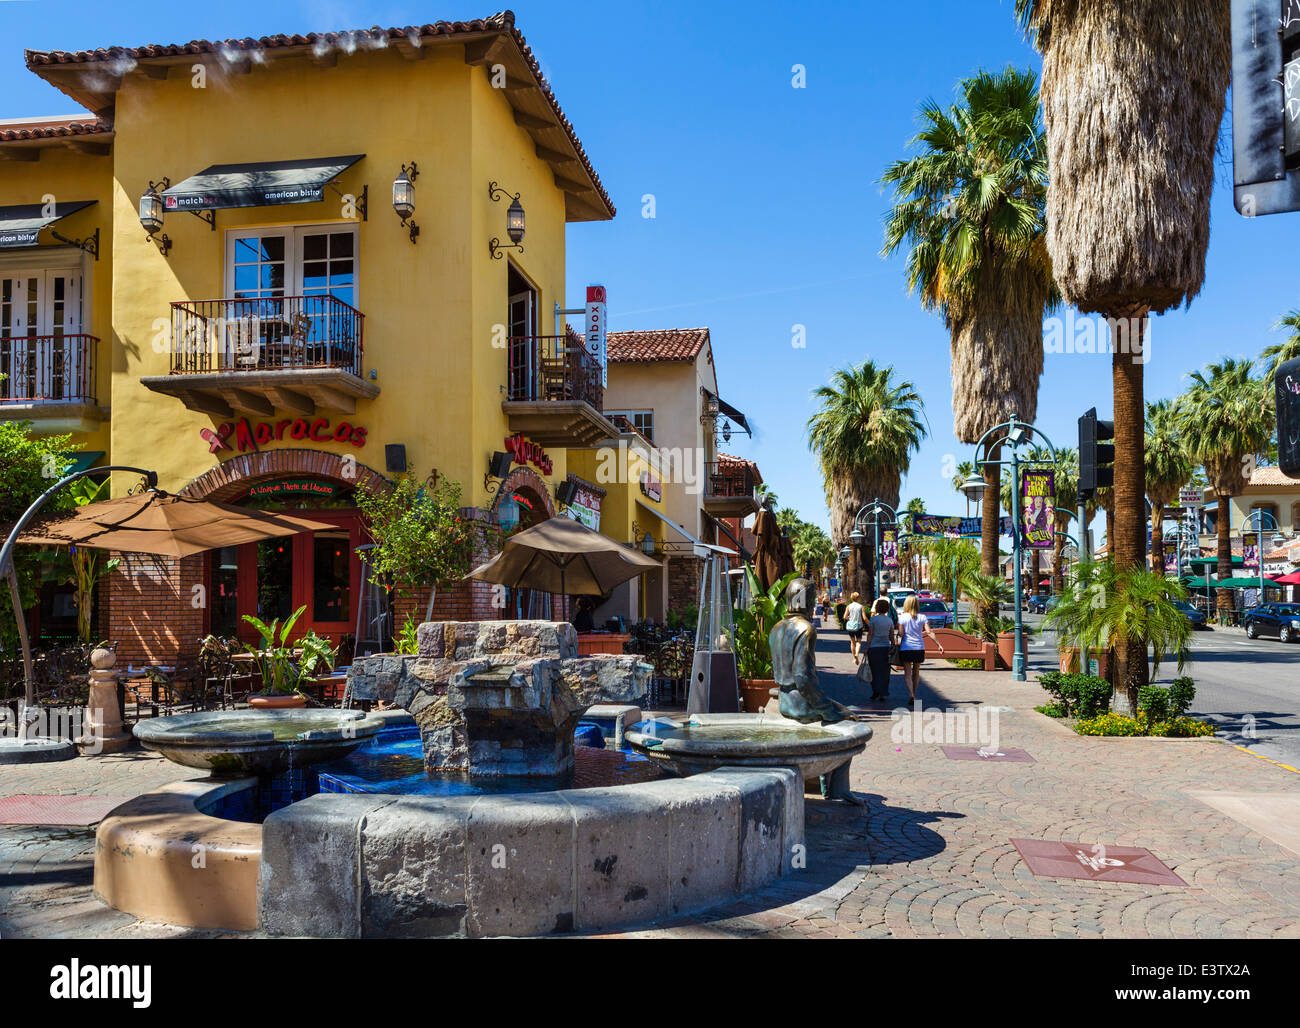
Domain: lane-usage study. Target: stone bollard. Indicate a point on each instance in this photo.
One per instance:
(102, 732)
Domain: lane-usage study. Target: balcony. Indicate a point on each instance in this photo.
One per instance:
(729, 489)
(554, 393)
(50, 380)
(255, 356)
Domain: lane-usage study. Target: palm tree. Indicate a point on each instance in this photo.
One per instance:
(1169, 467)
(1226, 415)
(964, 470)
(1133, 96)
(1280, 353)
(864, 434)
(970, 208)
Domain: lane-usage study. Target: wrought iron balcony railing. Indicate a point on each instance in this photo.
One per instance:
(48, 369)
(553, 368)
(272, 333)
(730, 480)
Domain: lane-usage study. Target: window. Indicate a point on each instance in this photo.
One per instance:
(642, 420)
(315, 260)
(38, 309)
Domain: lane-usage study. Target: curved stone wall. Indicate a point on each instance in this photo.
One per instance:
(368, 866)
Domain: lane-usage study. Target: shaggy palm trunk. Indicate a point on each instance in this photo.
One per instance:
(1222, 532)
(1129, 548)
(989, 522)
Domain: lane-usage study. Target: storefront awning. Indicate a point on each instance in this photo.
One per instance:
(731, 412)
(264, 184)
(83, 460)
(698, 548)
(21, 225)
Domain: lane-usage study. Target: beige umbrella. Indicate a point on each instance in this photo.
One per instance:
(560, 554)
(163, 524)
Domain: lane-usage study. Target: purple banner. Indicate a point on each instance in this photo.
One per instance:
(1250, 551)
(889, 548)
(1037, 500)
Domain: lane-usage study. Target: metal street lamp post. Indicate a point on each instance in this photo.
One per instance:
(876, 507)
(1018, 433)
(1256, 516)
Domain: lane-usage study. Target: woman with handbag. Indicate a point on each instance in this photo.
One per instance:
(854, 616)
(913, 628)
(880, 641)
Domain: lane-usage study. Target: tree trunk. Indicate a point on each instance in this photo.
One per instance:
(1158, 538)
(1129, 546)
(1224, 554)
(989, 520)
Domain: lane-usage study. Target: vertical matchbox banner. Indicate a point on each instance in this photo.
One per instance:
(596, 328)
(889, 548)
(1037, 499)
(1250, 552)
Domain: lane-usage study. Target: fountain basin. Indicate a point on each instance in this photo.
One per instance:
(235, 743)
(748, 740)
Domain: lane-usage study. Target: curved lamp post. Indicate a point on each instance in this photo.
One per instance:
(1256, 516)
(857, 537)
(1018, 433)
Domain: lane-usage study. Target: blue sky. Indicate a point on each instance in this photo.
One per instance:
(768, 208)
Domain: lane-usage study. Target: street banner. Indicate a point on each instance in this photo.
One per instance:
(1037, 499)
(1171, 561)
(952, 527)
(1250, 551)
(596, 328)
(889, 548)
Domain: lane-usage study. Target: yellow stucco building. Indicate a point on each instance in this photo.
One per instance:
(276, 270)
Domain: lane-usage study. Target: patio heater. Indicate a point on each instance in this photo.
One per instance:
(715, 687)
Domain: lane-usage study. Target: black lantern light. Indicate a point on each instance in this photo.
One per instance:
(514, 222)
(404, 197)
(151, 214)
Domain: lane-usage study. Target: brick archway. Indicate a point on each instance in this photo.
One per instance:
(525, 478)
(230, 478)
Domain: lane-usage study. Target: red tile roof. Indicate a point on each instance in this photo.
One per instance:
(661, 344)
(727, 460)
(360, 39)
(51, 128)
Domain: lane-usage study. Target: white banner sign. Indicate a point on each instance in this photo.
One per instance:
(1191, 496)
(596, 329)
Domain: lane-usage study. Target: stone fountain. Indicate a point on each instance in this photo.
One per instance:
(499, 697)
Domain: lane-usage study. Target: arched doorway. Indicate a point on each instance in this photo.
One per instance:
(317, 571)
(524, 496)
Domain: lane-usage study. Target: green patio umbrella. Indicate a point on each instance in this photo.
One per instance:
(1237, 562)
(1242, 583)
(1195, 582)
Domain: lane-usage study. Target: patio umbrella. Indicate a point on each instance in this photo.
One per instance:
(164, 525)
(1291, 578)
(560, 554)
(1242, 583)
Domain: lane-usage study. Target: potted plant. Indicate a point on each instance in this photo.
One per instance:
(286, 668)
(752, 628)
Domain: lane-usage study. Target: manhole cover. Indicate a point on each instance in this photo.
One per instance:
(1002, 753)
(56, 810)
(1094, 862)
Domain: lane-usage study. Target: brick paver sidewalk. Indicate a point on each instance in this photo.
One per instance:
(929, 855)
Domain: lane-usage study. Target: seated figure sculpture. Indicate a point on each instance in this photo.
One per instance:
(793, 642)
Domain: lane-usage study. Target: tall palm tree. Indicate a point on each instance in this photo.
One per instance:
(970, 208)
(864, 434)
(1133, 96)
(1280, 353)
(1226, 415)
(1169, 467)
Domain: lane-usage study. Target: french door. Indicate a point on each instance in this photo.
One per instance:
(40, 326)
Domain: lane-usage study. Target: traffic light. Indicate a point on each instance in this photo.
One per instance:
(1096, 459)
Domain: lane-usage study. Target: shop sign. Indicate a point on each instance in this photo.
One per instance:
(585, 508)
(651, 487)
(295, 487)
(243, 435)
(597, 319)
(526, 452)
(1190, 496)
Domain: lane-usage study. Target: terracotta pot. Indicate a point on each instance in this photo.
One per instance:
(277, 702)
(755, 693)
(1006, 649)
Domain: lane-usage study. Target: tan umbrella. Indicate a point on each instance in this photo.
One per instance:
(163, 524)
(560, 554)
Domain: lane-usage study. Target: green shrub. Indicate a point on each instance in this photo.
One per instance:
(1053, 710)
(1181, 693)
(1122, 724)
(1111, 725)
(1153, 701)
(1183, 727)
(968, 663)
(1082, 696)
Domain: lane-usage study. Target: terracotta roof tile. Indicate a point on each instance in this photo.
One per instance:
(728, 460)
(53, 129)
(662, 344)
(359, 39)
(1271, 476)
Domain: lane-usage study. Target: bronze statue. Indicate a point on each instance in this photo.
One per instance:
(793, 642)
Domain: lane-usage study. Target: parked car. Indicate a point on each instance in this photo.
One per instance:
(937, 613)
(898, 595)
(1194, 614)
(1038, 603)
(1274, 619)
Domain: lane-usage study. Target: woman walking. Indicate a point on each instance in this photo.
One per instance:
(879, 641)
(913, 627)
(854, 616)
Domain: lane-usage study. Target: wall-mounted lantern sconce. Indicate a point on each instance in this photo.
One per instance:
(648, 545)
(151, 214)
(499, 469)
(514, 222)
(566, 492)
(404, 197)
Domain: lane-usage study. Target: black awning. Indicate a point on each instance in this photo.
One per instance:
(256, 185)
(21, 225)
(732, 413)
